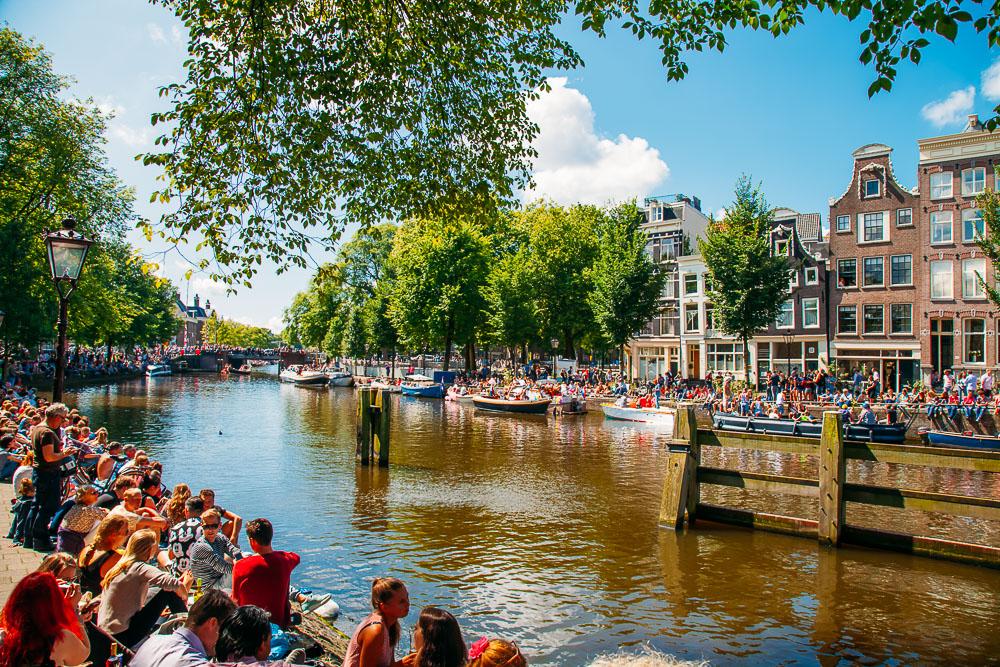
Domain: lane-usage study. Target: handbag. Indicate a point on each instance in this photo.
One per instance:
(67, 468)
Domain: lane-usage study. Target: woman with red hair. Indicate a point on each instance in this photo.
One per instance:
(40, 626)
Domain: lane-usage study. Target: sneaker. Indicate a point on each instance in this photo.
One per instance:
(314, 602)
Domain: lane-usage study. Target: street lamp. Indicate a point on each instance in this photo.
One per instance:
(555, 346)
(67, 252)
(787, 338)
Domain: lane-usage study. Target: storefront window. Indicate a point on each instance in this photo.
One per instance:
(725, 356)
(975, 341)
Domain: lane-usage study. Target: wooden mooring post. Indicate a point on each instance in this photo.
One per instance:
(686, 475)
(372, 427)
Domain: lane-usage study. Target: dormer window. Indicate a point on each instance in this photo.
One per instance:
(656, 214)
(872, 187)
(781, 247)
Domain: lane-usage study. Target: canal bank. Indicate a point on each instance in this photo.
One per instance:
(544, 530)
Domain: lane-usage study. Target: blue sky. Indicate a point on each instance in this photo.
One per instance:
(787, 111)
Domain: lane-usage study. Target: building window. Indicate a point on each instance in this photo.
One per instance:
(812, 276)
(847, 319)
(708, 282)
(942, 282)
(847, 273)
(871, 187)
(901, 318)
(810, 313)
(691, 317)
(901, 270)
(941, 223)
(724, 356)
(904, 217)
(874, 227)
(793, 280)
(843, 223)
(656, 213)
(972, 225)
(690, 283)
(975, 341)
(873, 319)
(874, 272)
(973, 181)
(781, 247)
(971, 288)
(786, 316)
(941, 185)
(709, 317)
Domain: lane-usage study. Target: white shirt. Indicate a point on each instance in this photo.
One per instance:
(180, 649)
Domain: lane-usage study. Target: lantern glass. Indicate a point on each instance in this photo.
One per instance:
(555, 343)
(66, 257)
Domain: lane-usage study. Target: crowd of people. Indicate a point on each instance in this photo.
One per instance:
(152, 576)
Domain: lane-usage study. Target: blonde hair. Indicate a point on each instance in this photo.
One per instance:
(140, 548)
(56, 563)
(109, 526)
(499, 653)
(25, 486)
(174, 509)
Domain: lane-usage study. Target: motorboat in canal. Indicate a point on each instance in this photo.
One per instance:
(569, 405)
(990, 443)
(421, 386)
(890, 434)
(385, 385)
(340, 378)
(303, 375)
(523, 406)
(157, 370)
(245, 369)
(654, 416)
(459, 394)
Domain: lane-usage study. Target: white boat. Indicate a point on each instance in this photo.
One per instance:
(657, 417)
(303, 375)
(156, 370)
(340, 378)
(456, 394)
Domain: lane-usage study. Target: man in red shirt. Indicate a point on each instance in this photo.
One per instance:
(263, 579)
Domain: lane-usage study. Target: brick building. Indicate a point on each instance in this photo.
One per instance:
(799, 339)
(876, 248)
(958, 324)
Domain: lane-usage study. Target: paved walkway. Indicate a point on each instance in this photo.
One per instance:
(15, 562)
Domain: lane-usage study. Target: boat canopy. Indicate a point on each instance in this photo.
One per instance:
(419, 377)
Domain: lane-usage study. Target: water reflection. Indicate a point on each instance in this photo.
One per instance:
(544, 530)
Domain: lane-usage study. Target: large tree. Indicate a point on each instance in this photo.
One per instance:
(439, 268)
(626, 284)
(988, 241)
(300, 116)
(749, 282)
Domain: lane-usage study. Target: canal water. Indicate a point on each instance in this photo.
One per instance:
(544, 530)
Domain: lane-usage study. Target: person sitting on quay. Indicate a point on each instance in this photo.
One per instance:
(867, 415)
(495, 653)
(109, 464)
(373, 643)
(437, 641)
(40, 624)
(952, 405)
(245, 639)
(232, 522)
(212, 555)
(139, 517)
(21, 509)
(98, 557)
(193, 644)
(184, 534)
(111, 498)
(174, 509)
(77, 522)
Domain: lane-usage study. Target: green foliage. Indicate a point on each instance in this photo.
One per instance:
(217, 331)
(626, 284)
(52, 163)
(439, 271)
(748, 283)
(988, 204)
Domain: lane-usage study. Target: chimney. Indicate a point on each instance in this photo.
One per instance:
(196, 300)
(973, 122)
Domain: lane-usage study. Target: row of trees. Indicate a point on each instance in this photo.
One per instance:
(52, 163)
(220, 331)
(513, 279)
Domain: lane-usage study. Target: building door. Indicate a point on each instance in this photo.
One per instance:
(673, 359)
(694, 362)
(942, 344)
(889, 376)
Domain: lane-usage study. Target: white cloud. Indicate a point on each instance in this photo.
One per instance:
(130, 136)
(991, 81)
(720, 214)
(275, 323)
(576, 165)
(951, 110)
(176, 36)
(155, 33)
(109, 106)
(205, 287)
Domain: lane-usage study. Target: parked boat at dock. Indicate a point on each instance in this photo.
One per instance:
(156, 370)
(528, 407)
(340, 378)
(657, 417)
(303, 375)
(385, 385)
(990, 443)
(245, 369)
(421, 386)
(890, 434)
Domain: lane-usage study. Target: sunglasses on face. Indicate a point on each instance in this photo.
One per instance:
(210, 526)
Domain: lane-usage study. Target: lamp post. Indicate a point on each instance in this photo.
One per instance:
(787, 338)
(555, 346)
(3, 359)
(67, 252)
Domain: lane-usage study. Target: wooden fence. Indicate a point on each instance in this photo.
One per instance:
(685, 475)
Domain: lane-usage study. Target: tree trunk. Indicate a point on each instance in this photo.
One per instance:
(470, 357)
(622, 362)
(447, 344)
(392, 374)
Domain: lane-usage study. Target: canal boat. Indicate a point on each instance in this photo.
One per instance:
(421, 386)
(990, 443)
(459, 394)
(340, 378)
(385, 385)
(526, 407)
(654, 416)
(303, 375)
(156, 370)
(890, 434)
(569, 405)
(245, 369)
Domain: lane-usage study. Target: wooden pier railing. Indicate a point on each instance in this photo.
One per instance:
(682, 488)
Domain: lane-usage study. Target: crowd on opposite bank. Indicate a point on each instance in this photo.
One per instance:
(157, 576)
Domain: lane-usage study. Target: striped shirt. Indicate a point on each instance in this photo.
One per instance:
(208, 561)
